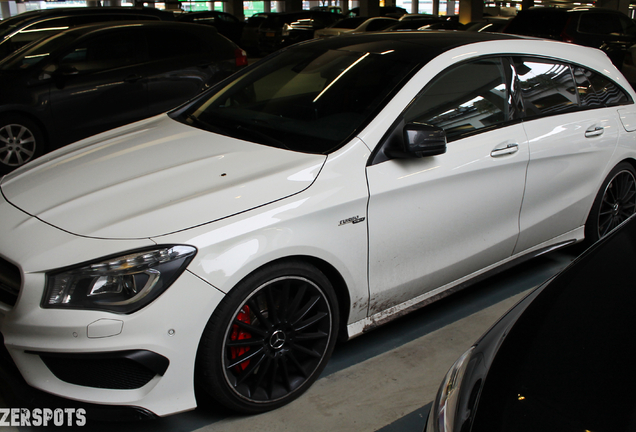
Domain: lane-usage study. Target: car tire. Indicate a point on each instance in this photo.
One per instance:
(614, 203)
(21, 141)
(269, 339)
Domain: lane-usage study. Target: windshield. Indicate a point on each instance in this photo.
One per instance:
(303, 99)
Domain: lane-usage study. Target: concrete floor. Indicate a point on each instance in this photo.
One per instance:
(384, 380)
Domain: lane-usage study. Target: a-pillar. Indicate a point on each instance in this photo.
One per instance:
(470, 10)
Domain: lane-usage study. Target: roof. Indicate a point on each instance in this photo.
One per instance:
(428, 43)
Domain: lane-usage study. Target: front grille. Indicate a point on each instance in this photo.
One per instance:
(10, 282)
(124, 370)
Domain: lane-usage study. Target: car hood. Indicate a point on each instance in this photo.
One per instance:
(155, 177)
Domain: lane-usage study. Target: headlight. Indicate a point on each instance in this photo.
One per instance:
(285, 30)
(444, 409)
(121, 284)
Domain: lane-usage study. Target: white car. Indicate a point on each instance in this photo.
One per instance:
(355, 25)
(314, 196)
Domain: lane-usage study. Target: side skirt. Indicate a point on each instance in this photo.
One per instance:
(365, 325)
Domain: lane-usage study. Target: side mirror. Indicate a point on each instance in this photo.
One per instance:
(421, 139)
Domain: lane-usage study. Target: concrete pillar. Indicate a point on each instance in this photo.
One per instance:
(314, 4)
(415, 7)
(267, 6)
(280, 6)
(235, 7)
(293, 5)
(620, 5)
(112, 2)
(92, 3)
(369, 8)
(5, 9)
(450, 8)
(470, 10)
(527, 4)
(436, 7)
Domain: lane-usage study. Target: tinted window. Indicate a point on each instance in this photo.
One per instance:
(546, 87)
(604, 24)
(170, 43)
(464, 99)
(609, 93)
(107, 51)
(379, 24)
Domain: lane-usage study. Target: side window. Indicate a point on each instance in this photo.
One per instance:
(546, 87)
(107, 51)
(601, 23)
(464, 99)
(609, 93)
(170, 43)
(596, 91)
(380, 24)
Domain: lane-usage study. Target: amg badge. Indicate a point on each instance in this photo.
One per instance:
(352, 220)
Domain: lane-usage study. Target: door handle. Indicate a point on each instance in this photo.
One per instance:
(594, 131)
(506, 150)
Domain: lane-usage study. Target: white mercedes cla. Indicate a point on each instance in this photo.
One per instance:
(339, 183)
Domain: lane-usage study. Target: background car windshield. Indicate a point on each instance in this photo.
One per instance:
(303, 100)
(34, 53)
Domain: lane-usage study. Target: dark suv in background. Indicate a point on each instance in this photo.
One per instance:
(92, 78)
(610, 30)
(19, 30)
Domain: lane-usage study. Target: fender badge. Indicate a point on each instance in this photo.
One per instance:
(351, 220)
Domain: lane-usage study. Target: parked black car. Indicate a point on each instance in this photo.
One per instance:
(249, 39)
(92, 78)
(610, 30)
(561, 359)
(283, 29)
(21, 29)
(228, 25)
(392, 11)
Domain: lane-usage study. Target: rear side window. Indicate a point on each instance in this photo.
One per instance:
(107, 51)
(605, 24)
(596, 91)
(540, 23)
(546, 87)
(464, 99)
(166, 43)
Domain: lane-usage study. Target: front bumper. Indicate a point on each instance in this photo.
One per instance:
(59, 351)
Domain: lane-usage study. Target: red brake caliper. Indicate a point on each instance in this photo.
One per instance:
(239, 334)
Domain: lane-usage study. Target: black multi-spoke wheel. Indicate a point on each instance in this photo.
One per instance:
(269, 339)
(20, 142)
(615, 202)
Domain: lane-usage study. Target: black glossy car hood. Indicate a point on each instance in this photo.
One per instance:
(567, 363)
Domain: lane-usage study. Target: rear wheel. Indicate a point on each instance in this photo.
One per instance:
(269, 339)
(615, 202)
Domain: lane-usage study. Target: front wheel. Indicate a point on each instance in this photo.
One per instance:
(20, 142)
(615, 202)
(269, 339)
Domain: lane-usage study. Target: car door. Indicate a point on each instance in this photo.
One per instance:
(97, 85)
(438, 219)
(573, 131)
